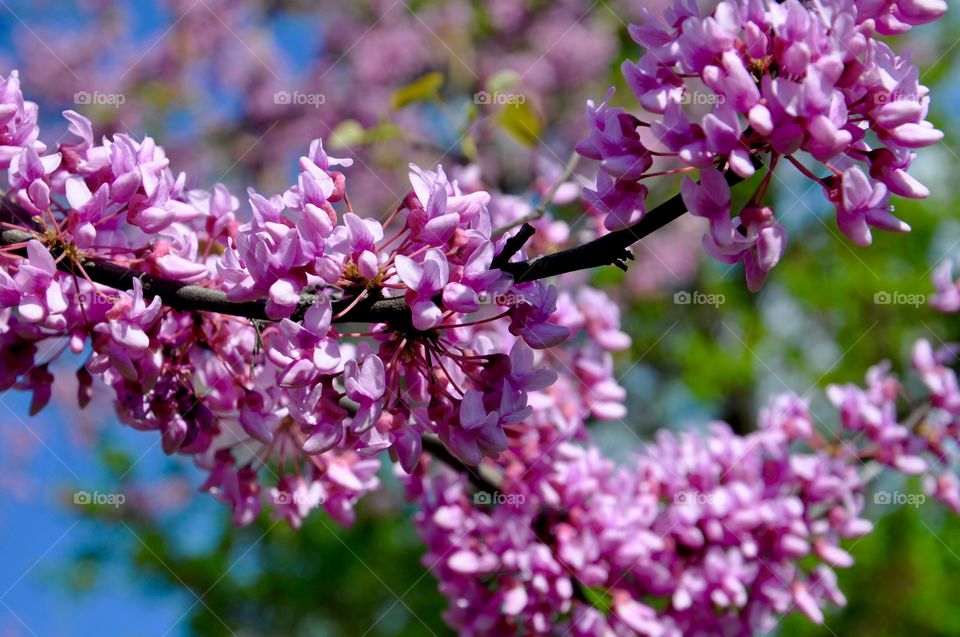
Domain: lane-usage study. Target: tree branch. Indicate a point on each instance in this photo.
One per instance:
(482, 476)
(186, 298)
(541, 208)
(513, 245)
(610, 249)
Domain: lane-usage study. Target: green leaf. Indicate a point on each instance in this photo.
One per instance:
(347, 133)
(598, 597)
(423, 88)
(116, 461)
(381, 132)
(502, 80)
(521, 122)
(351, 133)
(469, 148)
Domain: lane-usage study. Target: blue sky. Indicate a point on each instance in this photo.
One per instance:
(42, 534)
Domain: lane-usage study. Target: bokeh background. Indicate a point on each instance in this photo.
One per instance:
(235, 90)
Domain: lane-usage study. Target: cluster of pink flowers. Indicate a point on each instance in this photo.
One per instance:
(775, 79)
(296, 397)
(707, 533)
(355, 55)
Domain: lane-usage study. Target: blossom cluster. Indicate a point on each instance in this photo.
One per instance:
(355, 56)
(707, 532)
(298, 401)
(753, 84)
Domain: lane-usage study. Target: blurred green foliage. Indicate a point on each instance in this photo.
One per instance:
(902, 583)
(322, 580)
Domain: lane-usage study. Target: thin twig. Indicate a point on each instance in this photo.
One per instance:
(610, 249)
(541, 208)
(482, 476)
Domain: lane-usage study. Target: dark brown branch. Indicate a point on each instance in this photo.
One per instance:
(610, 249)
(184, 297)
(481, 476)
(513, 245)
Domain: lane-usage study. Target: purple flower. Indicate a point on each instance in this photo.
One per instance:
(890, 165)
(18, 121)
(938, 377)
(433, 222)
(898, 16)
(236, 486)
(614, 142)
(732, 80)
(365, 384)
(601, 317)
(41, 298)
(778, 78)
(424, 280)
(654, 85)
(862, 203)
(131, 317)
(361, 239)
(710, 199)
(758, 240)
(620, 200)
(530, 318)
(305, 351)
(294, 498)
(524, 374)
(88, 209)
(476, 278)
(177, 258)
(682, 137)
(478, 432)
(947, 298)
(27, 173)
(723, 130)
